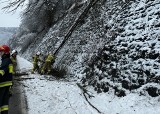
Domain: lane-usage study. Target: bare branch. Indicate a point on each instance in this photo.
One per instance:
(85, 91)
(13, 4)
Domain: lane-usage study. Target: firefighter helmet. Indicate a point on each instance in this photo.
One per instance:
(38, 53)
(14, 51)
(5, 49)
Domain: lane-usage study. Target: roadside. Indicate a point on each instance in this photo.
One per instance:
(47, 95)
(18, 101)
(18, 104)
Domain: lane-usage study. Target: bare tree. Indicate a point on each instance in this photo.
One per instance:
(38, 15)
(13, 5)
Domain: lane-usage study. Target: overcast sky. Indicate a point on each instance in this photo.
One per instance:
(9, 19)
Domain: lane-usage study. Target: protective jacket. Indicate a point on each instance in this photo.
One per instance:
(36, 59)
(6, 71)
(14, 62)
(50, 59)
(48, 64)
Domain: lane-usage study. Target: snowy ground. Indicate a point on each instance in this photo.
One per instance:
(46, 95)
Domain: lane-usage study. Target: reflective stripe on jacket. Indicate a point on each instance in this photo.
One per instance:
(6, 71)
(4, 108)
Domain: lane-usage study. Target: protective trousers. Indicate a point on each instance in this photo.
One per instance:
(47, 67)
(4, 100)
(35, 67)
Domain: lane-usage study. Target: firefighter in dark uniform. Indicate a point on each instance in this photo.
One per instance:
(6, 70)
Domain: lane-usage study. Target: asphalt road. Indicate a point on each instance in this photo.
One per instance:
(17, 103)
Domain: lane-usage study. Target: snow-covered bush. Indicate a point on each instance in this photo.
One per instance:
(131, 59)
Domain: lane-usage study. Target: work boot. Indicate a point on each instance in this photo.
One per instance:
(49, 72)
(42, 72)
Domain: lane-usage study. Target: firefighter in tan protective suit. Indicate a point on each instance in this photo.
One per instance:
(36, 60)
(14, 60)
(48, 64)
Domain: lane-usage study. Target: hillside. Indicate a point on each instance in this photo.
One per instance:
(6, 33)
(114, 47)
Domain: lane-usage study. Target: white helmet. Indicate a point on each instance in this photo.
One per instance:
(38, 53)
(50, 53)
(14, 51)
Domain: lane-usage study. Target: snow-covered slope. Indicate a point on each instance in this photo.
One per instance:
(116, 46)
(23, 64)
(130, 61)
(47, 95)
(113, 53)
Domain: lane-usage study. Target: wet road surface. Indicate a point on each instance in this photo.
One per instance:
(17, 102)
